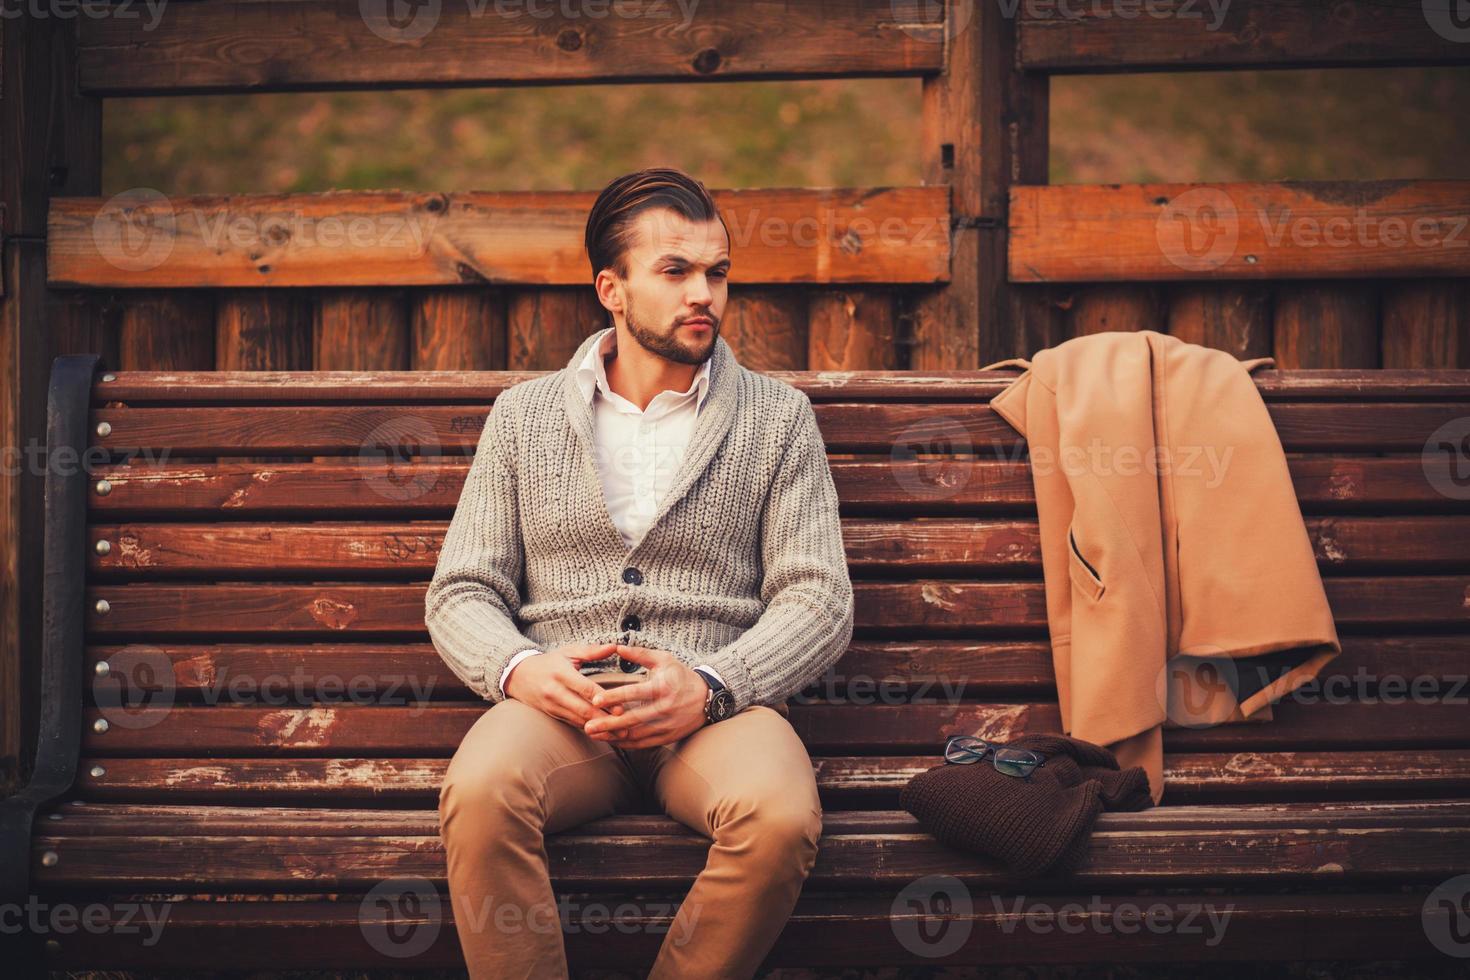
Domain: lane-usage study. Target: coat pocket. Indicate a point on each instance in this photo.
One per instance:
(1084, 575)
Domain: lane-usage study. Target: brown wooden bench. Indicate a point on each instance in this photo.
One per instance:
(295, 824)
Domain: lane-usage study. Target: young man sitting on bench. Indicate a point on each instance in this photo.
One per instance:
(674, 523)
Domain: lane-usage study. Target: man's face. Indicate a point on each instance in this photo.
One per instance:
(674, 296)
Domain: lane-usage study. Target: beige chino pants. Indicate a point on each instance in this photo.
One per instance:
(745, 782)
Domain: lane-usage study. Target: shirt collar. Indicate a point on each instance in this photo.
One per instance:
(592, 373)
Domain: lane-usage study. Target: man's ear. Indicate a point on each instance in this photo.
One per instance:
(609, 291)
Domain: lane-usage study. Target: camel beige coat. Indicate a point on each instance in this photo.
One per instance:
(1181, 587)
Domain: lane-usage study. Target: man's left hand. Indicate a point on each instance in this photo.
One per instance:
(663, 708)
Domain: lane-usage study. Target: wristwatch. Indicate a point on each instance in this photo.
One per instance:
(719, 703)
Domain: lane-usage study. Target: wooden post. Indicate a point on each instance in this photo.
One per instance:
(50, 140)
(984, 129)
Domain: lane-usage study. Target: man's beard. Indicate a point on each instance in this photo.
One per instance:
(666, 345)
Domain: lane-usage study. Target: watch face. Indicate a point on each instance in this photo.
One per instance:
(721, 706)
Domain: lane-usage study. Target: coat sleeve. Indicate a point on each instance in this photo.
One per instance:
(474, 596)
(808, 617)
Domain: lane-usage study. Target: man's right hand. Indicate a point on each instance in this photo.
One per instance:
(551, 683)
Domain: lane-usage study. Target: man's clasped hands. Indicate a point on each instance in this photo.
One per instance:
(665, 706)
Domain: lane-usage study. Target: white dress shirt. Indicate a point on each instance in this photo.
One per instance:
(638, 450)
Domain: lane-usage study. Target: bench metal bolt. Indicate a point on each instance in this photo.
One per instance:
(102, 669)
(103, 547)
(100, 725)
(97, 772)
(50, 859)
(104, 487)
(109, 377)
(102, 607)
(104, 428)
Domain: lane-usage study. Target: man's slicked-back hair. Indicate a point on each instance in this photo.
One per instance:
(610, 224)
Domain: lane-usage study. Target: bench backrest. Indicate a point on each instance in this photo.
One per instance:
(258, 545)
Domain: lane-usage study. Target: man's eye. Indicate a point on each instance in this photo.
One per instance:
(720, 273)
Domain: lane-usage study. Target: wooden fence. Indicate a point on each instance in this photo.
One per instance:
(981, 262)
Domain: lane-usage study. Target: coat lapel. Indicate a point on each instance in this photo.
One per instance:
(720, 409)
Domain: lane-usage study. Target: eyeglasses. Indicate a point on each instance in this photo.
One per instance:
(961, 750)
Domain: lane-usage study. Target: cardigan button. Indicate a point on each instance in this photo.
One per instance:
(632, 576)
(631, 622)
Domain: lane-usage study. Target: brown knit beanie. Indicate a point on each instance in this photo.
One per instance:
(1034, 825)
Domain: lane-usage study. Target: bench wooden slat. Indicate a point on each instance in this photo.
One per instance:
(824, 931)
(843, 781)
(1324, 722)
(911, 546)
(375, 431)
(1123, 849)
(401, 238)
(418, 489)
(1253, 35)
(1302, 229)
(929, 669)
(338, 44)
(110, 819)
(377, 387)
(941, 607)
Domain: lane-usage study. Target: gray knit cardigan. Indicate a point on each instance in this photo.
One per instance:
(743, 568)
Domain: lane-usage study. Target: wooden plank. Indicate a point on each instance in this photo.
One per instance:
(853, 329)
(875, 671)
(984, 126)
(120, 819)
(1426, 324)
(457, 329)
(397, 238)
(1107, 308)
(172, 330)
(259, 46)
(544, 327)
(823, 931)
(50, 144)
(1324, 485)
(325, 387)
(1326, 325)
(1172, 35)
(945, 607)
(768, 328)
(846, 427)
(1224, 316)
(1118, 858)
(1289, 230)
(843, 782)
(1311, 721)
(897, 548)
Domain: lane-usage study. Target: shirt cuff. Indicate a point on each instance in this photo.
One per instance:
(712, 672)
(505, 674)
